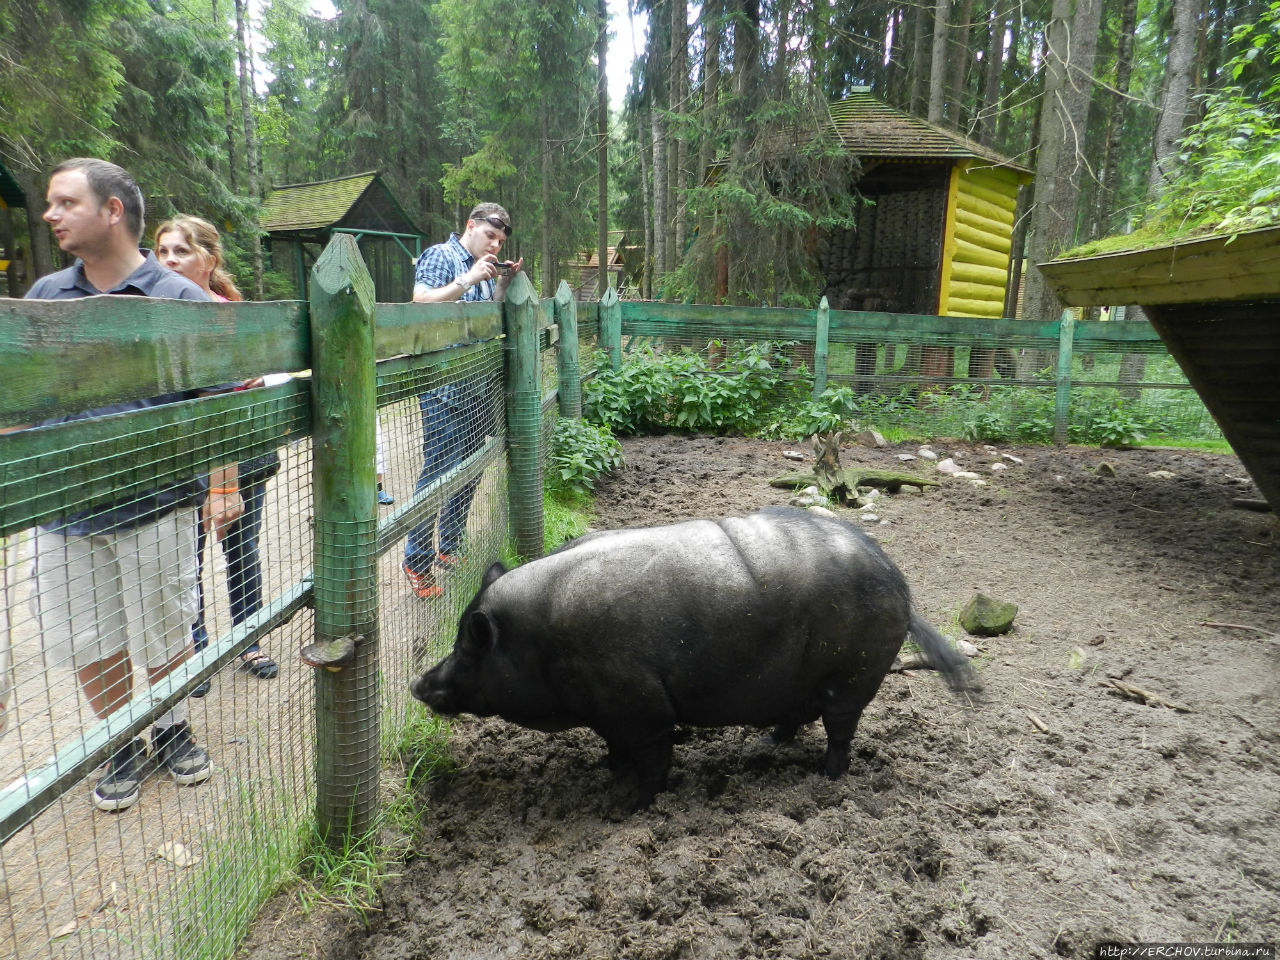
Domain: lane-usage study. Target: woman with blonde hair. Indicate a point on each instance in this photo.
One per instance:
(191, 246)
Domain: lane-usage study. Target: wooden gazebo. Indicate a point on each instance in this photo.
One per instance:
(301, 218)
(937, 236)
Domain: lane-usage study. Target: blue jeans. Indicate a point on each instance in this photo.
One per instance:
(452, 430)
(244, 566)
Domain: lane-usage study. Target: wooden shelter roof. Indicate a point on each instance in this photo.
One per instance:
(11, 194)
(359, 201)
(871, 128)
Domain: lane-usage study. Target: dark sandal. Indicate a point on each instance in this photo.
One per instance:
(260, 665)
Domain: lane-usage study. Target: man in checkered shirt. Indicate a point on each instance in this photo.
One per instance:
(464, 267)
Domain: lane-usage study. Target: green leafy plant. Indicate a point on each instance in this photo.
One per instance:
(727, 388)
(581, 453)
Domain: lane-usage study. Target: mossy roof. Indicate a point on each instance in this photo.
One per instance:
(357, 201)
(868, 127)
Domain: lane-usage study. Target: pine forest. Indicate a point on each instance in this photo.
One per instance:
(710, 177)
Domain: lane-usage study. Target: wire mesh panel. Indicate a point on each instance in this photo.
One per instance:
(940, 376)
(440, 459)
(180, 869)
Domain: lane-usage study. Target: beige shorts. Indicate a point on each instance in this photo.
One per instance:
(130, 590)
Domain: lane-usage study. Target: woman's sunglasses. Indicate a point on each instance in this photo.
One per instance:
(500, 224)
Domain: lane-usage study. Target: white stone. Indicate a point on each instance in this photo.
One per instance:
(822, 511)
(967, 648)
(793, 454)
(997, 467)
(1161, 475)
(976, 480)
(948, 466)
(870, 518)
(927, 453)
(1011, 458)
(906, 457)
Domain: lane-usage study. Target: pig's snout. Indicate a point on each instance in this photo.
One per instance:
(433, 689)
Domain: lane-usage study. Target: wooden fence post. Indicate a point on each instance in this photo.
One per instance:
(344, 403)
(611, 327)
(524, 417)
(568, 368)
(821, 347)
(1062, 402)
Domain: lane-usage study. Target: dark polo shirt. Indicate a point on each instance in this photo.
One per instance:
(149, 280)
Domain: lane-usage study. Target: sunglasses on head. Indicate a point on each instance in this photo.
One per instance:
(496, 222)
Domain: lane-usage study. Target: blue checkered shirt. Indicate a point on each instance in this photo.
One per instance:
(445, 262)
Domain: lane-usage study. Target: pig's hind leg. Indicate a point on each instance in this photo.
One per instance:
(840, 715)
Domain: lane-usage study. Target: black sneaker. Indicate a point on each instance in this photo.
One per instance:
(174, 749)
(121, 785)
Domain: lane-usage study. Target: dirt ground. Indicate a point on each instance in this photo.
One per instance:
(960, 831)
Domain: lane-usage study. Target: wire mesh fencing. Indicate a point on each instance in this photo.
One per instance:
(991, 380)
(106, 551)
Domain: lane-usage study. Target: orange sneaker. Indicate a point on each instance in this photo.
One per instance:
(423, 584)
(448, 561)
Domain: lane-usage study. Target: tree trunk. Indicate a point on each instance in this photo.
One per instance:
(646, 274)
(250, 143)
(985, 128)
(602, 150)
(657, 70)
(1048, 224)
(678, 83)
(938, 63)
(1177, 88)
(916, 102)
(660, 220)
(960, 57)
(547, 269)
(1119, 101)
(1005, 118)
(227, 113)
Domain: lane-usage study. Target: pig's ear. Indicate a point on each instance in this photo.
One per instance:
(491, 575)
(481, 633)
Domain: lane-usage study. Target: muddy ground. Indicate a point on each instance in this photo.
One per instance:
(960, 831)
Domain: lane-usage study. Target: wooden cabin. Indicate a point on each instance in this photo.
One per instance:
(583, 274)
(301, 218)
(937, 235)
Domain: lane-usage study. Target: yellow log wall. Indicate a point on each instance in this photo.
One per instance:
(975, 259)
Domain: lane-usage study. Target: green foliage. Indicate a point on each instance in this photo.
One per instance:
(834, 410)
(761, 209)
(566, 515)
(581, 453)
(726, 389)
(1227, 173)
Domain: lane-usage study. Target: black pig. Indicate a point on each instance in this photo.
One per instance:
(771, 620)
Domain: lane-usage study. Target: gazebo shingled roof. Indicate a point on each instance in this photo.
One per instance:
(871, 128)
(313, 208)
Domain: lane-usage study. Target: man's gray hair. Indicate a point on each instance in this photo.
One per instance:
(107, 180)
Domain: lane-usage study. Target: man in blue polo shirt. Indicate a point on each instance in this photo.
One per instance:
(117, 580)
(464, 267)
